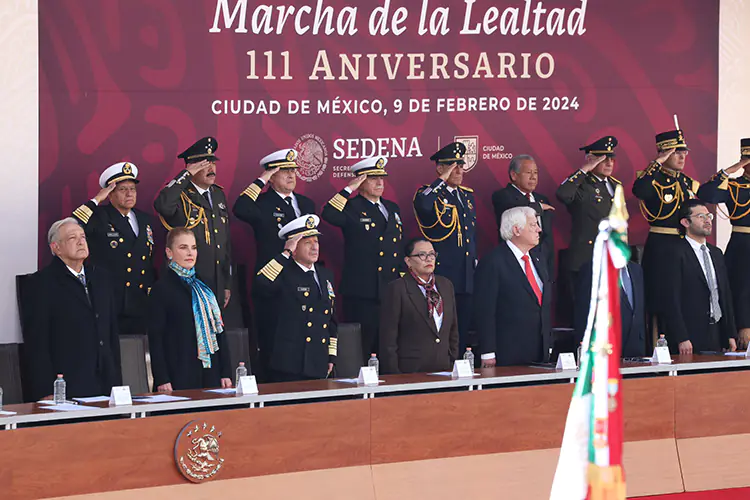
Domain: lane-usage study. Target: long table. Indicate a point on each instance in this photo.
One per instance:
(510, 419)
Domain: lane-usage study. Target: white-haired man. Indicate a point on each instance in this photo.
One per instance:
(513, 311)
(73, 330)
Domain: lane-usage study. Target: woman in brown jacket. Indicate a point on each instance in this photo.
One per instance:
(418, 325)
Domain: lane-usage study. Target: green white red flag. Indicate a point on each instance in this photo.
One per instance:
(590, 463)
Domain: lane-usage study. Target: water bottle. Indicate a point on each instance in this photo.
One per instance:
(59, 390)
(241, 372)
(373, 361)
(579, 354)
(662, 342)
(469, 356)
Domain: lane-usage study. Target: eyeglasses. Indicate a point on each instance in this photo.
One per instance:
(425, 256)
(703, 217)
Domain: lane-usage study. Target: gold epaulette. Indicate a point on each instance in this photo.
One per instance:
(695, 185)
(271, 270)
(616, 181)
(252, 191)
(338, 202)
(649, 170)
(467, 189)
(333, 346)
(84, 213)
(220, 187)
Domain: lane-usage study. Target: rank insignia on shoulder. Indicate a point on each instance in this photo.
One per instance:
(149, 234)
(331, 295)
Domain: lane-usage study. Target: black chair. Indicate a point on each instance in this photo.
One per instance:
(349, 354)
(237, 340)
(25, 289)
(133, 349)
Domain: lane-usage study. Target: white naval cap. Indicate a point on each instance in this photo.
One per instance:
(374, 165)
(283, 158)
(306, 225)
(123, 171)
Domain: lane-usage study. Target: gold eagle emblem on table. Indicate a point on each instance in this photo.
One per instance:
(197, 452)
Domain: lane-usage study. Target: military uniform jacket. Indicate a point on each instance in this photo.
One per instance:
(305, 333)
(511, 197)
(114, 246)
(450, 224)
(588, 201)
(180, 205)
(662, 192)
(734, 193)
(267, 213)
(372, 245)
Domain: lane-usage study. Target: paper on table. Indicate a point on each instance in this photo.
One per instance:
(159, 398)
(231, 390)
(93, 399)
(69, 407)
(3, 412)
(741, 354)
(450, 374)
(351, 380)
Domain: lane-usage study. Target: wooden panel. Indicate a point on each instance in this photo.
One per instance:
(711, 404)
(124, 454)
(652, 467)
(714, 463)
(455, 424)
(648, 406)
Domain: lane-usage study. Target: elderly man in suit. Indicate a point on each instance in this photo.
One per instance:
(418, 321)
(520, 192)
(513, 312)
(74, 327)
(698, 303)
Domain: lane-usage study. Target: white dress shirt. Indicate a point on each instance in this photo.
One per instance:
(438, 318)
(75, 273)
(607, 183)
(201, 191)
(295, 204)
(696, 246)
(132, 219)
(312, 268)
(379, 201)
(458, 193)
(518, 254)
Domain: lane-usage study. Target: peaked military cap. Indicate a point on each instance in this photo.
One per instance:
(204, 149)
(745, 147)
(674, 139)
(283, 159)
(452, 153)
(375, 166)
(123, 171)
(306, 225)
(603, 147)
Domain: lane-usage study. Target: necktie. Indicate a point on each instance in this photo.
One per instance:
(528, 196)
(82, 278)
(288, 200)
(311, 275)
(208, 198)
(712, 287)
(383, 218)
(626, 285)
(531, 278)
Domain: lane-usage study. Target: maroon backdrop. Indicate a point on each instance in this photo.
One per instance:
(135, 80)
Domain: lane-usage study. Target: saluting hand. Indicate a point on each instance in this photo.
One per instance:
(744, 161)
(445, 171)
(291, 244)
(546, 207)
(356, 182)
(194, 168)
(102, 195)
(664, 156)
(591, 162)
(269, 173)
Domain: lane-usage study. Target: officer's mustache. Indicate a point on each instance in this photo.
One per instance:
(211, 174)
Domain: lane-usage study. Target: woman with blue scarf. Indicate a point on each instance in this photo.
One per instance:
(188, 348)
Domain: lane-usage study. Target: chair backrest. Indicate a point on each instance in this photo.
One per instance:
(133, 349)
(349, 354)
(25, 288)
(239, 348)
(10, 374)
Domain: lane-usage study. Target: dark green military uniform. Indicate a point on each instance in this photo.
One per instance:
(180, 204)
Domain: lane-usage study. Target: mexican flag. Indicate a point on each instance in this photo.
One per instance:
(590, 463)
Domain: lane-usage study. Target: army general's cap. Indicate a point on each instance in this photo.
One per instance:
(204, 149)
(283, 159)
(375, 166)
(307, 226)
(745, 147)
(674, 139)
(452, 153)
(603, 147)
(123, 171)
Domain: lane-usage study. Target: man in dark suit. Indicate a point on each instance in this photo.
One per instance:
(588, 194)
(632, 308)
(74, 327)
(418, 327)
(372, 246)
(193, 200)
(524, 177)
(267, 212)
(447, 217)
(121, 241)
(305, 343)
(513, 313)
(698, 310)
